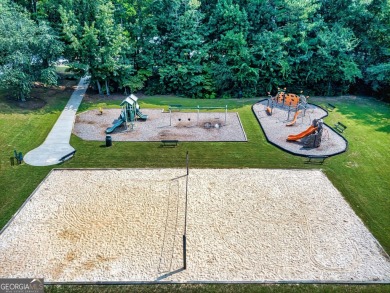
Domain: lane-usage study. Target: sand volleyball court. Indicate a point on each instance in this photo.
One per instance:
(126, 225)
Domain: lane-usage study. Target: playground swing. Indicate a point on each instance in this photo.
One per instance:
(185, 119)
(219, 117)
(180, 119)
(173, 108)
(188, 119)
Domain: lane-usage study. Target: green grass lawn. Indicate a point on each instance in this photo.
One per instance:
(361, 174)
(221, 288)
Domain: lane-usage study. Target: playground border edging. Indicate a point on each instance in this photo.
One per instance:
(242, 127)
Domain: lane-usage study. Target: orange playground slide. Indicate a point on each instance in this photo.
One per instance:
(295, 118)
(307, 132)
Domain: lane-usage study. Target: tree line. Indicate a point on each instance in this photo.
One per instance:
(200, 49)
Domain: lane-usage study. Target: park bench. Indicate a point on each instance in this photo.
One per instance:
(316, 159)
(169, 142)
(340, 127)
(175, 107)
(330, 107)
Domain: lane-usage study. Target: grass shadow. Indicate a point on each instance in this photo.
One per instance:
(364, 111)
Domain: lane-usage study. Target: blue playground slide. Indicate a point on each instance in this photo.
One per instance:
(141, 116)
(116, 124)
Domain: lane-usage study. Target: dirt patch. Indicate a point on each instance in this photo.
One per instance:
(32, 103)
(93, 96)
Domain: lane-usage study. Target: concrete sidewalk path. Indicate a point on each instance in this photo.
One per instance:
(56, 145)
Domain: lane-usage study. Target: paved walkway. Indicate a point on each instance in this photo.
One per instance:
(56, 145)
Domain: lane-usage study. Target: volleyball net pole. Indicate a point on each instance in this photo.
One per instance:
(185, 217)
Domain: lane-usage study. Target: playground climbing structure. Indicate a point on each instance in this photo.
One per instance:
(311, 137)
(289, 101)
(130, 112)
(301, 138)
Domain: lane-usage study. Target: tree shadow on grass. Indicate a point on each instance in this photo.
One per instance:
(43, 100)
(364, 111)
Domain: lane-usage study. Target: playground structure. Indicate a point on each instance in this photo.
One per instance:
(198, 108)
(314, 140)
(304, 140)
(162, 125)
(311, 137)
(129, 114)
(289, 101)
(294, 119)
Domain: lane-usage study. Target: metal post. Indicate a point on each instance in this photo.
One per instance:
(225, 113)
(187, 159)
(289, 109)
(197, 122)
(184, 252)
(185, 218)
(170, 117)
(125, 109)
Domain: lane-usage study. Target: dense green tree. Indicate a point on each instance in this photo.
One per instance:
(180, 45)
(199, 48)
(369, 20)
(373, 53)
(293, 46)
(229, 53)
(27, 51)
(332, 68)
(96, 44)
(30, 5)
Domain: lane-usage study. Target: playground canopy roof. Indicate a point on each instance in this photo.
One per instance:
(130, 100)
